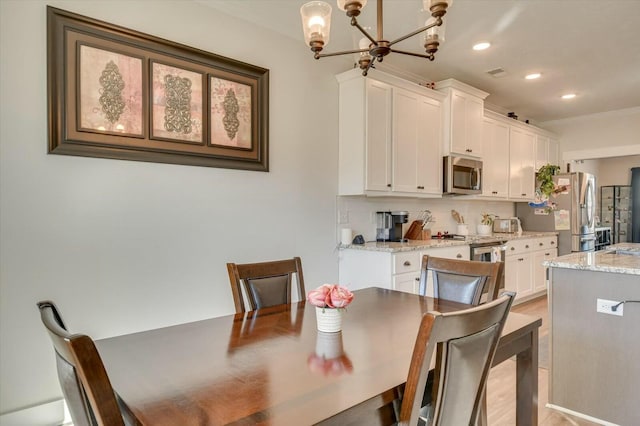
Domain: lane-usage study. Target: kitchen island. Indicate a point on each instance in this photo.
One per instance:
(594, 368)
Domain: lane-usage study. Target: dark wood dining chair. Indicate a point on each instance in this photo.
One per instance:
(83, 378)
(462, 281)
(463, 344)
(264, 284)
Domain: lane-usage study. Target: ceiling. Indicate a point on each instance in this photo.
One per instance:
(588, 47)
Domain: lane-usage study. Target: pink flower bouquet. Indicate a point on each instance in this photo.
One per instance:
(330, 296)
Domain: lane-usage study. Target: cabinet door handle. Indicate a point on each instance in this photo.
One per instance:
(494, 192)
(527, 246)
(524, 195)
(468, 150)
(388, 185)
(458, 256)
(547, 254)
(421, 187)
(553, 243)
(417, 278)
(407, 263)
(540, 244)
(513, 248)
(520, 259)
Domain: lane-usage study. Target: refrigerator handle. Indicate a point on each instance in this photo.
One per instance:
(588, 201)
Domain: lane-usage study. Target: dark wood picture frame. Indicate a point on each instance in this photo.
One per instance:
(105, 101)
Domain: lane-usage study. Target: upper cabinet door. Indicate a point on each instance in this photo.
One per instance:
(495, 162)
(378, 136)
(463, 117)
(542, 151)
(430, 148)
(416, 143)
(521, 163)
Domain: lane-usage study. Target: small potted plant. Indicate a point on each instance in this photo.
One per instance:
(330, 301)
(545, 177)
(486, 223)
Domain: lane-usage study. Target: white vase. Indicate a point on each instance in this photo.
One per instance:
(484, 229)
(329, 320)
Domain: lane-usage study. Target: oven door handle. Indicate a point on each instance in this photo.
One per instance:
(487, 249)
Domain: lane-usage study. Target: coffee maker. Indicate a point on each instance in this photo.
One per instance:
(389, 225)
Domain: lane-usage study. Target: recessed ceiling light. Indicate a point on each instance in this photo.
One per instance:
(533, 76)
(569, 96)
(481, 46)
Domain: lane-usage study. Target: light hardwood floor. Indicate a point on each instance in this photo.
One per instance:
(501, 398)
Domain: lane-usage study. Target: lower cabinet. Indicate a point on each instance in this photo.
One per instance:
(397, 271)
(400, 271)
(524, 272)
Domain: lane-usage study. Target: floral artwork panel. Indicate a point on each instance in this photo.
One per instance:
(230, 113)
(177, 103)
(111, 95)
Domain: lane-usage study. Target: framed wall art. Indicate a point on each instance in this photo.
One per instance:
(117, 93)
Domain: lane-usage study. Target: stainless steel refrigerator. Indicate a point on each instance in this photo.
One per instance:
(572, 213)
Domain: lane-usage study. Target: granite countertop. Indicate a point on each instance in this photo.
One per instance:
(435, 243)
(602, 261)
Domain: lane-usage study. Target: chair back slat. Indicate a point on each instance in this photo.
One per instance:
(462, 281)
(260, 285)
(83, 378)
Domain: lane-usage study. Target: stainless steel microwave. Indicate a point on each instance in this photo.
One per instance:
(462, 176)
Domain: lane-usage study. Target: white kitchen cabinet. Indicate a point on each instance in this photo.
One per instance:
(495, 164)
(524, 272)
(540, 271)
(546, 151)
(390, 137)
(416, 159)
(463, 117)
(393, 270)
(542, 150)
(554, 157)
(378, 136)
(521, 163)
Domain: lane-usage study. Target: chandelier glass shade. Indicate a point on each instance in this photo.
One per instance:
(316, 23)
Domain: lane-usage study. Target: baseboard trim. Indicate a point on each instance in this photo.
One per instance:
(47, 414)
(580, 415)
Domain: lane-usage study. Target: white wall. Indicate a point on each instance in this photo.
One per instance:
(609, 134)
(124, 246)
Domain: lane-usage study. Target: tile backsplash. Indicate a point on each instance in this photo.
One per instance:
(358, 212)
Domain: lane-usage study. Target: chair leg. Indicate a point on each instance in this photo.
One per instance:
(482, 416)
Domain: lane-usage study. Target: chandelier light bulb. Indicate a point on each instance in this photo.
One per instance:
(316, 23)
(569, 96)
(533, 76)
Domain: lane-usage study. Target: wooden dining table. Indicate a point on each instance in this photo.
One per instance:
(272, 366)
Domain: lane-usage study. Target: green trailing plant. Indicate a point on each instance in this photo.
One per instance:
(545, 177)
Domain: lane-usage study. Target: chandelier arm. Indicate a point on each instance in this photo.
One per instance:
(354, 22)
(430, 57)
(438, 22)
(344, 52)
(369, 66)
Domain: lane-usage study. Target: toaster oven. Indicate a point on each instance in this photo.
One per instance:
(511, 225)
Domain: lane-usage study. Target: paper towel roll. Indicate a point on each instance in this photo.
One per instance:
(346, 236)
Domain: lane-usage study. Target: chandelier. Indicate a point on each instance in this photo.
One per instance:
(316, 22)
